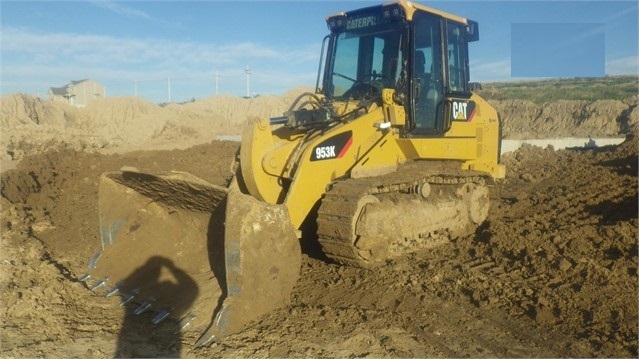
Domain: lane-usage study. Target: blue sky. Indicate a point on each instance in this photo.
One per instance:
(195, 49)
(558, 50)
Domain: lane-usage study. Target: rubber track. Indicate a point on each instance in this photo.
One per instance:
(339, 207)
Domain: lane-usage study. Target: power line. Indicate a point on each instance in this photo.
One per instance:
(172, 81)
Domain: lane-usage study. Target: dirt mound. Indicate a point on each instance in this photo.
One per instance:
(234, 110)
(123, 124)
(21, 109)
(523, 119)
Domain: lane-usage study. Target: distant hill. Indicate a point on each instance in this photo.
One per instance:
(576, 107)
(620, 88)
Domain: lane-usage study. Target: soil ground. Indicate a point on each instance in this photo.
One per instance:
(552, 272)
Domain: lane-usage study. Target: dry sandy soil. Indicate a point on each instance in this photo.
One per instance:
(551, 273)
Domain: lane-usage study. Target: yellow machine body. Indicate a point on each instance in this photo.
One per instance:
(368, 150)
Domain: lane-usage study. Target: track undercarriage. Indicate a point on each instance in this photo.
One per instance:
(365, 221)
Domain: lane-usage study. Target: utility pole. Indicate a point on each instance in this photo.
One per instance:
(217, 80)
(169, 84)
(248, 76)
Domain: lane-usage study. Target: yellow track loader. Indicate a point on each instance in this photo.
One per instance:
(391, 154)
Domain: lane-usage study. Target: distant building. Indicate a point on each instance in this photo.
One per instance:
(77, 93)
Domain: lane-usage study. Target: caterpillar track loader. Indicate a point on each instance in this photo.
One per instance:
(392, 153)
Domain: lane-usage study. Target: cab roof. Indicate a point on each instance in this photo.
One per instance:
(409, 9)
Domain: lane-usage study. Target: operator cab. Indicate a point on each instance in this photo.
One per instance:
(419, 52)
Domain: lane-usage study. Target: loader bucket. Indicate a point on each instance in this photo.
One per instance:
(263, 259)
(192, 251)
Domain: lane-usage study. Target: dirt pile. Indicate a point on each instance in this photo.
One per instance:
(523, 119)
(114, 125)
(121, 124)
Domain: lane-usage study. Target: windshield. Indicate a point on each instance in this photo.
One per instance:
(364, 60)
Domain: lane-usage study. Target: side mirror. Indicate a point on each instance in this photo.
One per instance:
(472, 31)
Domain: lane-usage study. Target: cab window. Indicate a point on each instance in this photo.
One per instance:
(457, 58)
(427, 88)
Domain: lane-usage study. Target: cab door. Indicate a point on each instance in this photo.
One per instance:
(440, 73)
(427, 90)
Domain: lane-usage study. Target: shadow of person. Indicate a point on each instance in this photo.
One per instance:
(139, 337)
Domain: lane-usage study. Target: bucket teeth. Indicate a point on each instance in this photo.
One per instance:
(163, 314)
(146, 305)
(94, 260)
(84, 277)
(113, 290)
(206, 339)
(126, 298)
(99, 284)
(184, 323)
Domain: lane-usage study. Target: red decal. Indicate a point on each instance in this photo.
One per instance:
(472, 115)
(345, 148)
